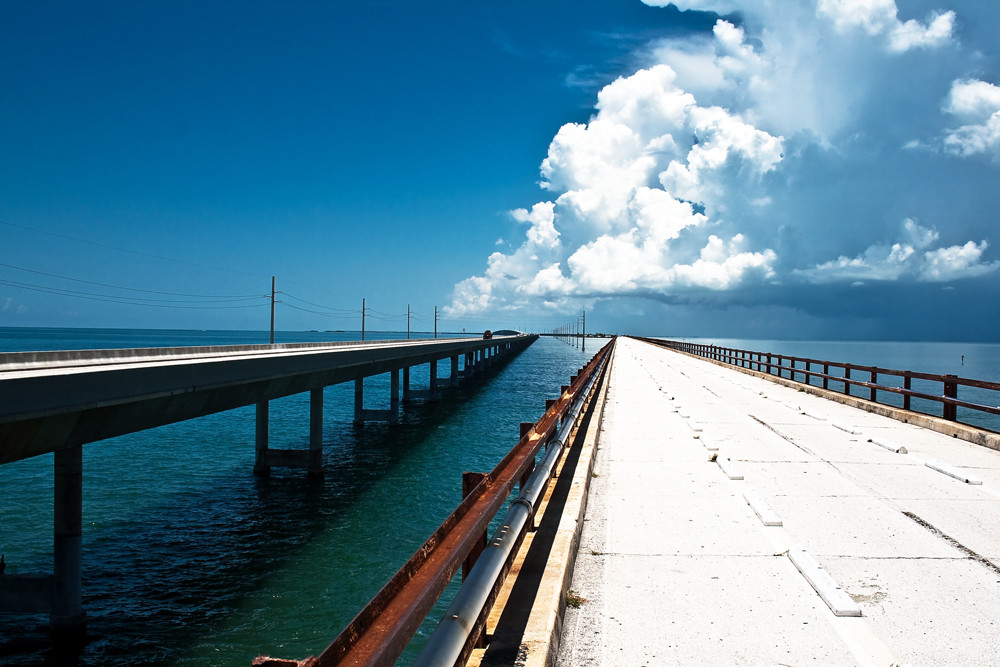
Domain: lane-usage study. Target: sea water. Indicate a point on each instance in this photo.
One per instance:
(189, 559)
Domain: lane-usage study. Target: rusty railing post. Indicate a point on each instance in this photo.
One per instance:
(950, 410)
(874, 378)
(906, 385)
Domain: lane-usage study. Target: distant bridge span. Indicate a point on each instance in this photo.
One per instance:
(55, 402)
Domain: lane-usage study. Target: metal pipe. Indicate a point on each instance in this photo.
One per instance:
(450, 637)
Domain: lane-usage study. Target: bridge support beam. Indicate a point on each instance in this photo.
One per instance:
(67, 609)
(311, 459)
(59, 594)
(394, 392)
(361, 414)
(468, 371)
(261, 465)
(316, 432)
(454, 371)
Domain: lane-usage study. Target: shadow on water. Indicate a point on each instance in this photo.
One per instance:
(159, 579)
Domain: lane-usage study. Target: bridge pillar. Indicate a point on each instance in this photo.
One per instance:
(432, 389)
(67, 609)
(359, 401)
(361, 414)
(454, 371)
(261, 466)
(394, 394)
(406, 385)
(468, 371)
(316, 432)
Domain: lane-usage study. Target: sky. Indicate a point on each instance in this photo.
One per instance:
(820, 169)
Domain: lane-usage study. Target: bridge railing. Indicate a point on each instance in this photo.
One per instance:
(17, 361)
(380, 632)
(928, 393)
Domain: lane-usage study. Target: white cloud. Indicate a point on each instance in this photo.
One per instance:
(879, 18)
(906, 259)
(749, 155)
(977, 103)
(956, 262)
(541, 218)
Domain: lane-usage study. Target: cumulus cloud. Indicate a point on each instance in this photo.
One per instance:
(646, 169)
(910, 257)
(977, 104)
(741, 160)
(880, 18)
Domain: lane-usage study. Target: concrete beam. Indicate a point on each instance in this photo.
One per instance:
(76, 399)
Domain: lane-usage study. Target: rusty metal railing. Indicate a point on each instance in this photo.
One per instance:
(856, 380)
(380, 632)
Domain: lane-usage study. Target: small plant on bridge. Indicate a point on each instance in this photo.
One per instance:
(574, 599)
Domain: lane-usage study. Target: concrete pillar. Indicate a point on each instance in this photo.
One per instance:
(260, 466)
(67, 608)
(433, 380)
(359, 401)
(468, 371)
(316, 432)
(454, 371)
(406, 385)
(394, 395)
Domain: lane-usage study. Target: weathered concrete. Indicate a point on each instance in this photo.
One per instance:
(676, 568)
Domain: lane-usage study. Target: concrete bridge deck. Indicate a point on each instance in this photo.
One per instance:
(682, 560)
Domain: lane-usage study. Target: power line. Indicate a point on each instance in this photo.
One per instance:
(133, 289)
(317, 312)
(317, 305)
(131, 301)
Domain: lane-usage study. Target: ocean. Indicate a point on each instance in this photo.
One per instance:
(189, 559)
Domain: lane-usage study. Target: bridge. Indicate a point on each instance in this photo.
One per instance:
(726, 515)
(685, 504)
(57, 402)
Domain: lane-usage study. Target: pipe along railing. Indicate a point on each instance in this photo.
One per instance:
(789, 367)
(380, 632)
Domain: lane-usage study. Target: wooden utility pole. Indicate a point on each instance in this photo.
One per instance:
(407, 321)
(272, 310)
(435, 321)
(362, 318)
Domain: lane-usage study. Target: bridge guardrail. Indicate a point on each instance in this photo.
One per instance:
(380, 632)
(821, 373)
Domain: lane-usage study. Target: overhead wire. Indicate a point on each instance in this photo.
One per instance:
(134, 301)
(130, 289)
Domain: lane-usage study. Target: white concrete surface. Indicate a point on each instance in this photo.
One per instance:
(676, 568)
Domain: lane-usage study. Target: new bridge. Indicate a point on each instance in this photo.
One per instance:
(57, 402)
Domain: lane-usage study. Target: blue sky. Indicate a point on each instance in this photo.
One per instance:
(803, 168)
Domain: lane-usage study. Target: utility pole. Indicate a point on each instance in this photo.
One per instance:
(435, 321)
(584, 331)
(272, 310)
(407, 321)
(362, 318)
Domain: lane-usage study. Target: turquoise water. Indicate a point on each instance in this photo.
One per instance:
(189, 559)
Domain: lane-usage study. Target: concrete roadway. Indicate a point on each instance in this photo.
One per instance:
(676, 567)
